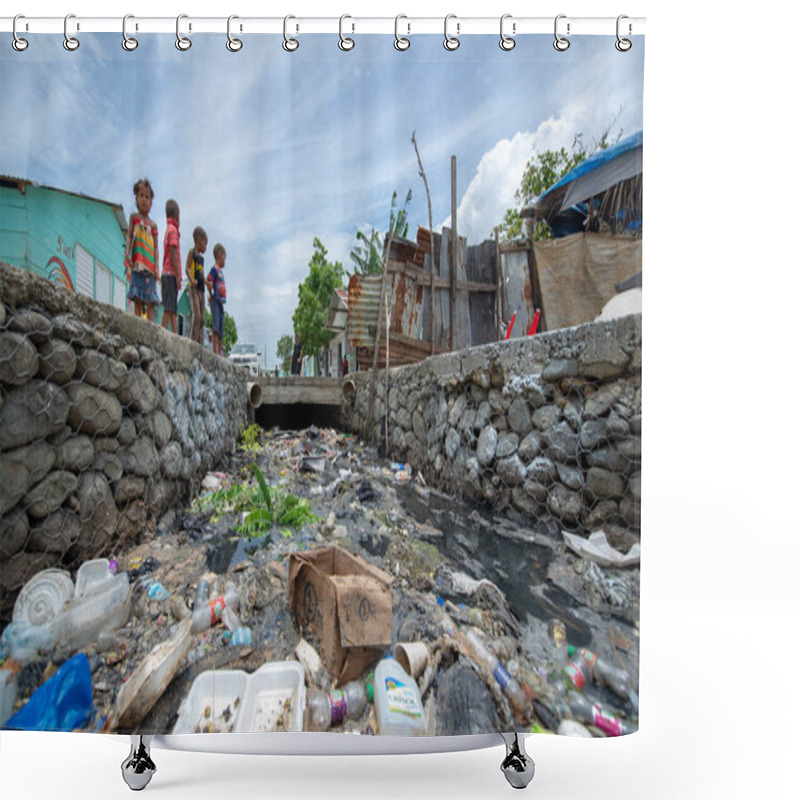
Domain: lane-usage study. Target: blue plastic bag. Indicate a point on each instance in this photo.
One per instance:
(62, 703)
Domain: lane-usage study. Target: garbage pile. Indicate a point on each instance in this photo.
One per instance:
(313, 586)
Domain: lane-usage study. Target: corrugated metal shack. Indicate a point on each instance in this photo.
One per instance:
(465, 286)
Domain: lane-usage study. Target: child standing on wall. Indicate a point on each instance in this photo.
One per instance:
(141, 252)
(217, 296)
(197, 284)
(171, 270)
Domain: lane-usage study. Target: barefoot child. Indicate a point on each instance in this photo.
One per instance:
(141, 252)
(216, 292)
(171, 270)
(197, 284)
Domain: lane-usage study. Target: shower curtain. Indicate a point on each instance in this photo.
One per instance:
(427, 259)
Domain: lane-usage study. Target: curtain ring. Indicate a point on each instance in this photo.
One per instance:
(70, 42)
(19, 44)
(345, 42)
(623, 45)
(183, 43)
(400, 42)
(450, 42)
(289, 44)
(128, 42)
(233, 44)
(507, 42)
(561, 43)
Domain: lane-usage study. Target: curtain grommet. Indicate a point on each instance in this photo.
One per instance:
(233, 44)
(289, 44)
(183, 43)
(561, 43)
(71, 43)
(623, 45)
(507, 43)
(129, 43)
(401, 42)
(451, 43)
(18, 43)
(345, 42)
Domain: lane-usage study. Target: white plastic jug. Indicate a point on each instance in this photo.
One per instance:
(398, 705)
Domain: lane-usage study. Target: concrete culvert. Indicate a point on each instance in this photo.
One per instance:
(349, 391)
(254, 394)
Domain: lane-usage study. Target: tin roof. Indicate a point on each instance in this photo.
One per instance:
(11, 182)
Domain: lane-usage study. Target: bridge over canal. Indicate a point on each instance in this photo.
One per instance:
(296, 401)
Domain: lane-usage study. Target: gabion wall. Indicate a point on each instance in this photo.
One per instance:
(106, 421)
(549, 425)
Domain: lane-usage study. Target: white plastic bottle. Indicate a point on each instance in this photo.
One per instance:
(329, 708)
(398, 705)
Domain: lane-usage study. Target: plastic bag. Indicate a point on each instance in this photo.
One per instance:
(62, 703)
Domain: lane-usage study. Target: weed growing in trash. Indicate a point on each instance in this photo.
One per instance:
(262, 505)
(250, 439)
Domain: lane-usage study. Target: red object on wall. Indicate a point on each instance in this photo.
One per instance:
(535, 323)
(511, 325)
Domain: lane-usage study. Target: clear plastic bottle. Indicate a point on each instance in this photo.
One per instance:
(479, 652)
(329, 708)
(586, 711)
(201, 593)
(209, 613)
(606, 674)
(398, 705)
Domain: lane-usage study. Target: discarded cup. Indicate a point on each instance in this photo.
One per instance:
(412, 657)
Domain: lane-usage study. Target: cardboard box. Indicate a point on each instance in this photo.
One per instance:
(343, 604)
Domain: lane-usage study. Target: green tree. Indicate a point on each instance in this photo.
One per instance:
(367, 255)
(229, 333)
(314, 299)
(541, 172)
(284, 352)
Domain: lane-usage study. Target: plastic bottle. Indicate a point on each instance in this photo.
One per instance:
(209, 613)
(398, 705)
(586, 711)
(329, 708)
(201, 593)
(479, 652)
(606, 674)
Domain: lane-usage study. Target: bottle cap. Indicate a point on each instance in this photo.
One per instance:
(570, 650)
(370, 692)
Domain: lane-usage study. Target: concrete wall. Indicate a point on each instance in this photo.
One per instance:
(106, 421)
(549, 425)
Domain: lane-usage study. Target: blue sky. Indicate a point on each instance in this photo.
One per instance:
(268, 149)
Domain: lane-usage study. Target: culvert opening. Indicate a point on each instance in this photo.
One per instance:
(296, 416)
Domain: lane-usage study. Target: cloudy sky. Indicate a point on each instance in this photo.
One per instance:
(268, 149)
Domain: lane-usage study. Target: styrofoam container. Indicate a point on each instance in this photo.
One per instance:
(275, 699)
(214, 702)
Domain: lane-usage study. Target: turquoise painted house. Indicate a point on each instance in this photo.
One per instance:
(71, 239)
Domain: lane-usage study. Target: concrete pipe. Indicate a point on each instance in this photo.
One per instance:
(254, 394)
(349, 391)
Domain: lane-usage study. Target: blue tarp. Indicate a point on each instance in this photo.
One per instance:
(596, 161)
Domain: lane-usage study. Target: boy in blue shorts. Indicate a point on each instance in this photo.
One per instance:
(217, 296)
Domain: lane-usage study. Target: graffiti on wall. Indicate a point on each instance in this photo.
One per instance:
(58, 273)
